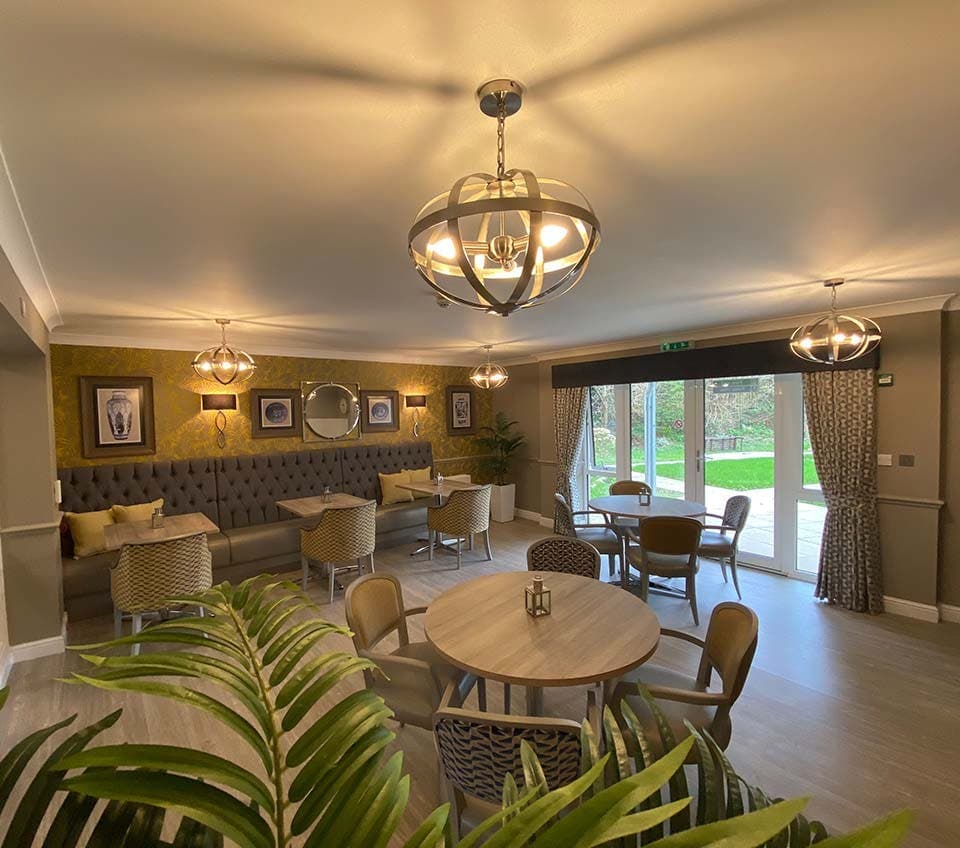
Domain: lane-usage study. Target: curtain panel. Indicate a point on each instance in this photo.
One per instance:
(569, 415)
(841, 418)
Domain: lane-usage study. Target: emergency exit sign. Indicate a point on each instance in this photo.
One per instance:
(670, 346)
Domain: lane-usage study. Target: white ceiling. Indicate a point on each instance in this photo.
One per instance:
(176, 161)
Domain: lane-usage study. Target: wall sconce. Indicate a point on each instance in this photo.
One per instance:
(220, 403)
(416, 403)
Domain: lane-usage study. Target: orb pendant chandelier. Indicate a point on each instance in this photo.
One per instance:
(834, 337)
(224, 364)
(489, 375)
(505, 241)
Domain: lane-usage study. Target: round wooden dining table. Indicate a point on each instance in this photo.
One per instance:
(594, 634)
(629, 506)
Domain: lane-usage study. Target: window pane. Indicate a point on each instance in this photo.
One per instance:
(603, 429)
(810, 518)
(811, 479)
(656, 428)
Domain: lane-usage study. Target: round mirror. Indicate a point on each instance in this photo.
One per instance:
(330, 410)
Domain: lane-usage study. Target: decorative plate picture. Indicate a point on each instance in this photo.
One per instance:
(274, 413)
(380, 411)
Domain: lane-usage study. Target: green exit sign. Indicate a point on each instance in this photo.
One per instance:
(668, 346)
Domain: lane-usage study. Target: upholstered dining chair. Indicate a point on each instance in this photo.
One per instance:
(666, 546)
(466, 513)
(564, 555)
(342, 534)
(412, 678)
(715, 541)
(146, 574)
(628, 487)
(476, 750)
(603, 535)
(728, 649)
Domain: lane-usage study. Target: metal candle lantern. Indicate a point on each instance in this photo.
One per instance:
(537, 598)
(644, 498)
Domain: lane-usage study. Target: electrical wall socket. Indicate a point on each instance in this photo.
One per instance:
(906, 460)
(884, 459)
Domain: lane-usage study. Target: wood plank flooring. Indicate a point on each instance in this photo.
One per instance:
(860, 712)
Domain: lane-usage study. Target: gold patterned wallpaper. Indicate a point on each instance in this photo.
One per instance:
(184, 431)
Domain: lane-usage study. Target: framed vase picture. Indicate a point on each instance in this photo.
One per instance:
(380, 411)
(116, 416)
(275, 413)
(460, 411)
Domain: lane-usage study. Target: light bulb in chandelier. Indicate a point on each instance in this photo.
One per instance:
(508, 241)
(224, 364)
(834, 337)
(489, 375)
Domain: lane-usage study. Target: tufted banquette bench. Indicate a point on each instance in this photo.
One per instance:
(239, 494)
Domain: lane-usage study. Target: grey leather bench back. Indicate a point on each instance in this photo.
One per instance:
(239, 491)
(248, 487)
(187, 485)
(362, 464)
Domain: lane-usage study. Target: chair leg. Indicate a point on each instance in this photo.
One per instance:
(372, 569)
(459, 552)
(117, 623)
(332, 572)
(644, 584)
(431, 541)
(486, 543)
(482, 694)
(506, 698)
(723, 568)
(201, 611)
(305, 565)
(692, 595)
(136, 627)
(733, 571)
(470, 542)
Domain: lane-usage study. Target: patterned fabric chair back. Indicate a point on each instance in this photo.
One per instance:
(564, 555)
(466, 511)
(630, 487)
(563, 513)
(147, 574)
(374, 608)
(735, 514)
(478, 749)
(343, 533)
(730, 645)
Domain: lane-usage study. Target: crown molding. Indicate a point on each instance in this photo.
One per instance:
(934, 303)
(141, 343)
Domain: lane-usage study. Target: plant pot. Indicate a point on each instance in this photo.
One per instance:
(502, 500)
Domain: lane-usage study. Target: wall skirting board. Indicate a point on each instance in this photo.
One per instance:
(911, 609)
(949, 612)
(32, 651)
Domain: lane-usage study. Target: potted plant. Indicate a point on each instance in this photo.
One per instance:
(502, 444)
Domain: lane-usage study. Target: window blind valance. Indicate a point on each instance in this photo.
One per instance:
(738, 360)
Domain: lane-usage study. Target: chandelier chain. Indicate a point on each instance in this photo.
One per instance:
(501, 144)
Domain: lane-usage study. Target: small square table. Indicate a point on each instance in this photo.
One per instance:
(315, 505)
(143, 532)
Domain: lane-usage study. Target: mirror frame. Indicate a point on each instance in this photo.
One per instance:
(307, 388)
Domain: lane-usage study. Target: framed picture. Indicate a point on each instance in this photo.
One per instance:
(275, 413)
(116, 416)
(380, 411)
(460, 411)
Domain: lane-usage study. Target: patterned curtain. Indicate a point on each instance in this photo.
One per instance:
(840, 407)
(569, 411)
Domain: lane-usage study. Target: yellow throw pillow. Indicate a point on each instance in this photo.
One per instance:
(86, 528)
(420, 475)
(389, 487)
(135, 512)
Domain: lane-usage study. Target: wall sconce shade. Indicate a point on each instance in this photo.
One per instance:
(415, 401)
(218, 402)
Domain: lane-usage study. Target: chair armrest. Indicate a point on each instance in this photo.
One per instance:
(415, 611)
(712, 515)
(404, 672)
(680, 634)
(721, 527)
(669, 693)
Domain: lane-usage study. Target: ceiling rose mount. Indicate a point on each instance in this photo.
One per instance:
(505, 241)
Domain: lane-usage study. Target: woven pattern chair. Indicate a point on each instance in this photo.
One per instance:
(466, 512)
(728, 649)
(714, 542)
(412, 678)
(667, 547)
(341, 535)
(564, 555)
(147, 574)
(476, 750)
(603, 535)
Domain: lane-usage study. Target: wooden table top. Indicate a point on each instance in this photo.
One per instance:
(628, 506)
(595, 632)
(315, 504)
(431, 488)
(143, 532)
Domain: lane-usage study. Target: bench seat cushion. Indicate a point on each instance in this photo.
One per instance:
(263, 541)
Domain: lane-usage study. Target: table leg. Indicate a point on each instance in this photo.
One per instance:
(534, 701)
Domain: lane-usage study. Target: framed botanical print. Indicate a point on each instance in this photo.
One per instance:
(460, 420)
(379, 411)
(116, 416)
(275, 413)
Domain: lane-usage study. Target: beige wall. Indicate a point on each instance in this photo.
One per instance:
(910, 420)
